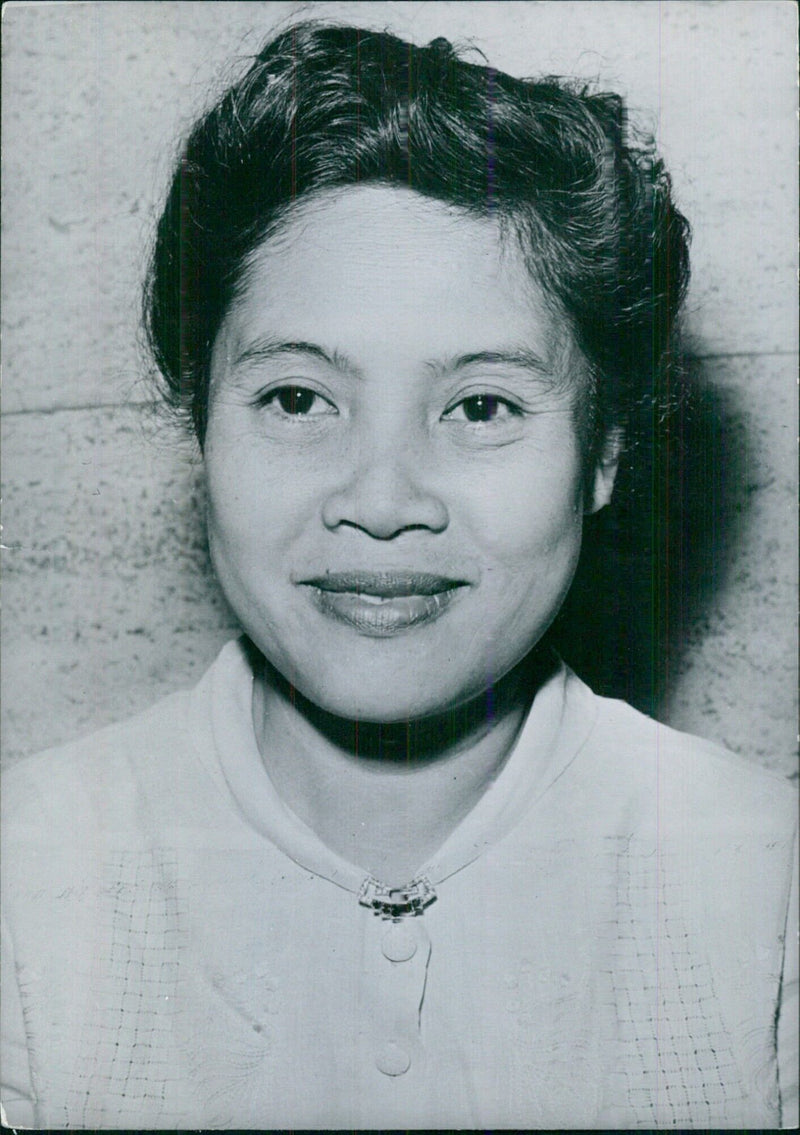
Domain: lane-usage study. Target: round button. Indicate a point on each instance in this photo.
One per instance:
(392, 1059)
(399, 943)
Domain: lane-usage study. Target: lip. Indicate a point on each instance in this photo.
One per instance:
(383, 603)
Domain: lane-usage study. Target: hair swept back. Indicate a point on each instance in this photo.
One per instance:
(326, 106)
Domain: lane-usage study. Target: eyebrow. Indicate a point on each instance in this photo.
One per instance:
(268, 348)
(521, 357)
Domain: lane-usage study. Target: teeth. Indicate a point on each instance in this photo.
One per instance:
(377, 600)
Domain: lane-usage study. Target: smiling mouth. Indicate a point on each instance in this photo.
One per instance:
(379, 604)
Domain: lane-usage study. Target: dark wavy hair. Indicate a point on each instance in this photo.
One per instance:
(324, 107)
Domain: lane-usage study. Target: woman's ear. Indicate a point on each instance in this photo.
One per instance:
(601, 484)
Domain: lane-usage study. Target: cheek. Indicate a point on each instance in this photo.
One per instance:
(519, 520)
(253, 496)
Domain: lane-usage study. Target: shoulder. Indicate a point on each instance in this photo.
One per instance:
(63, 786)
(113, 778)
(689, 784)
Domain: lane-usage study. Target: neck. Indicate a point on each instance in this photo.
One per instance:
(385, 796)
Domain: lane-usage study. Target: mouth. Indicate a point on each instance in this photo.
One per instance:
(380, 604)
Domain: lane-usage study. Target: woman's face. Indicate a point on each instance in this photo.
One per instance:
(394, 458)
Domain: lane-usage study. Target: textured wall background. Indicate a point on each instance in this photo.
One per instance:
(108, 602)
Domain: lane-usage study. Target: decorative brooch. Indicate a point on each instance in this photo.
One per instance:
(397, 902)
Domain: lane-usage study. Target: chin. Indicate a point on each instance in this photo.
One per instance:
(377, 709)
(383, 702)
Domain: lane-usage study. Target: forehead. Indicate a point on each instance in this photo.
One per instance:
(383, 272)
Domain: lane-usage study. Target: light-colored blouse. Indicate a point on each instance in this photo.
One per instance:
(605, 941)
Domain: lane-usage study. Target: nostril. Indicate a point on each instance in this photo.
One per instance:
(381, 533)
(384, 507)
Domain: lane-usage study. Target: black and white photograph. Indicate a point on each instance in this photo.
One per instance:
(399, 565)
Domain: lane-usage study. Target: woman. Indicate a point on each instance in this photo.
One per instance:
(391, 864)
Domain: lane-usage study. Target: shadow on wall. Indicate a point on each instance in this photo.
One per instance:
(653, 560)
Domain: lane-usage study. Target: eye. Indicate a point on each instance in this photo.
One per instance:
(483, 408)
(297, 402)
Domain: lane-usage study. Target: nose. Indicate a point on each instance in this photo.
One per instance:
(385, 494)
